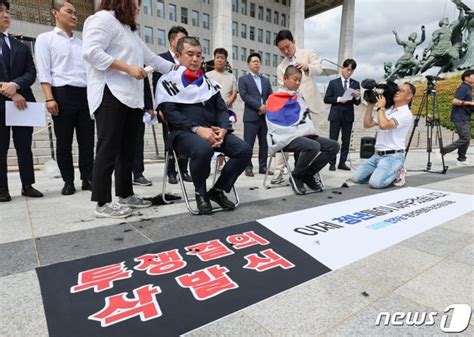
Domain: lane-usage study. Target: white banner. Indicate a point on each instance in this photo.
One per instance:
(344, 232)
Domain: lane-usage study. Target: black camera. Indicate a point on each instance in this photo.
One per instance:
(374, 89)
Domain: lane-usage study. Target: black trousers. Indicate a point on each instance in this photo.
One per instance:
(138, 167)
(345, 128)
(22, 136)
(73, 115)
(200, 153)
(312, 153)
(253, 130)
(117, 126)
(182, 161)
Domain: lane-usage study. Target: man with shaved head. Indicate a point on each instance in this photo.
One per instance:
(62, 75)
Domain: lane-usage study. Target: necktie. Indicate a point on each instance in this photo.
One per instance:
(5, 52)
(345, 85)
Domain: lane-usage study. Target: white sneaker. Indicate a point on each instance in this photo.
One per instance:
(134, 201)
(400, 180)
(112, 210)
(277, 178)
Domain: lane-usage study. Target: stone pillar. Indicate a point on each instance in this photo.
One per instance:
(297, 21)
(221, 26)
(346, 37)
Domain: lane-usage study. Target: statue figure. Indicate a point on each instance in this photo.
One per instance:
(407, 64)
(440, 50)
(387, 67)
(467, 59)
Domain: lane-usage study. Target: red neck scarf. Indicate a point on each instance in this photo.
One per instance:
(192, 76)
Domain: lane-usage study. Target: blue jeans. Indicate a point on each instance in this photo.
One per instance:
(379, 171)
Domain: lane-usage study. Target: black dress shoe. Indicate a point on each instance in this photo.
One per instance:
(343, 167)
(249, 173)
(297, 185)
(30, 191)
(203, 204)
(172, 179)
(4, 195)
(220, 198)
(264, 170)
(332, 167)
(86, 185)
(187, 177)
(68, 188)
(311, 182)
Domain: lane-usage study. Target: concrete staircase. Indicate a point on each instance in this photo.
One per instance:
(42, 152)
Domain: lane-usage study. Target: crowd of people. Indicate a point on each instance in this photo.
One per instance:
(102, 82)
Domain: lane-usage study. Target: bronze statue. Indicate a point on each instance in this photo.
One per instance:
(387, 67)
(467, 58)
(407, 64)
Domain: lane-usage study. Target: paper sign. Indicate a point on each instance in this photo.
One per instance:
(33, 115)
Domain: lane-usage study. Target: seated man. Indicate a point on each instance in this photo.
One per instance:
(291, 129)
(386, 164)
(199, 125)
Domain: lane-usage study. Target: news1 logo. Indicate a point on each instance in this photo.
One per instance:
(456, 318)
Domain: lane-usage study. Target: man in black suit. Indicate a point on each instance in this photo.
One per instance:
(254, 90)
(199, 125)
(17, 74)
(341, 115)
(174, 34)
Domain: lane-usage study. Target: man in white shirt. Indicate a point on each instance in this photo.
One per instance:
(386, 164)
(62, 75)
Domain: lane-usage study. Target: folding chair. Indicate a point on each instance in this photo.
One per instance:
(184, 191)
(291, 180)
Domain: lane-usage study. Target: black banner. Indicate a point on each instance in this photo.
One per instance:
(171, 287)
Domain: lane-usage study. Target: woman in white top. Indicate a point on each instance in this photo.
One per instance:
(114, 56)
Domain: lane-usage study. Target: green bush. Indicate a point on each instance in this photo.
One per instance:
(445, 94)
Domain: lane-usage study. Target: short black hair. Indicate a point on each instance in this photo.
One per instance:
(254, 55)
(175, 30)
(221, 51)
(349, 62)
(191, 40)
(6, 3)
(292, 70)
(467, 73)
(284, 35)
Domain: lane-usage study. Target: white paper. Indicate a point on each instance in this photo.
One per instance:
(33, 115)
(348, 94)
(149, 69)
(147, 119)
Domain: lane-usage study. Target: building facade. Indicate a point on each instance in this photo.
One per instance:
(240, 26)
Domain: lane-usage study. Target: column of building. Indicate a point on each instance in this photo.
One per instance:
(346, 37)
(222, 25)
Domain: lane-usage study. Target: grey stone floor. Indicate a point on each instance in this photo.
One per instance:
(424, 273)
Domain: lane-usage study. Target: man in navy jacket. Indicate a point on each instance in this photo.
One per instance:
(341, 115)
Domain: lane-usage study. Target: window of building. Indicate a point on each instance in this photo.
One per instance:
(206, 46)
(260, 52)
(268, 37)
(235, 29)
(260, 35)
(243, 7)
(267, 59)
(274, 81)
(260, 13)
(243, 31)
(283, 20)
(195, 18)
(148, 34)
(205, 1)
(172, 12)
(275, 60)
(138, 30)
(244, 72)
(235, 53)
(147, 7)
(269, 15)
(252, 51)
(283, 2)
(235, 6)
(252, 9)
(160, 9)
(252, 33)
(205, 21)
(184, 15)
(276, 18)
(236, 73)
(243, 55)
(161, 37)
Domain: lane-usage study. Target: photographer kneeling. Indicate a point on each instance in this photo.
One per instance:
(386, 164)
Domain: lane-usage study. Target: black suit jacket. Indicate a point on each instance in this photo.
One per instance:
(342, 112)
(182, 117)
(22, 69)
(251, 96)
(156, 75)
